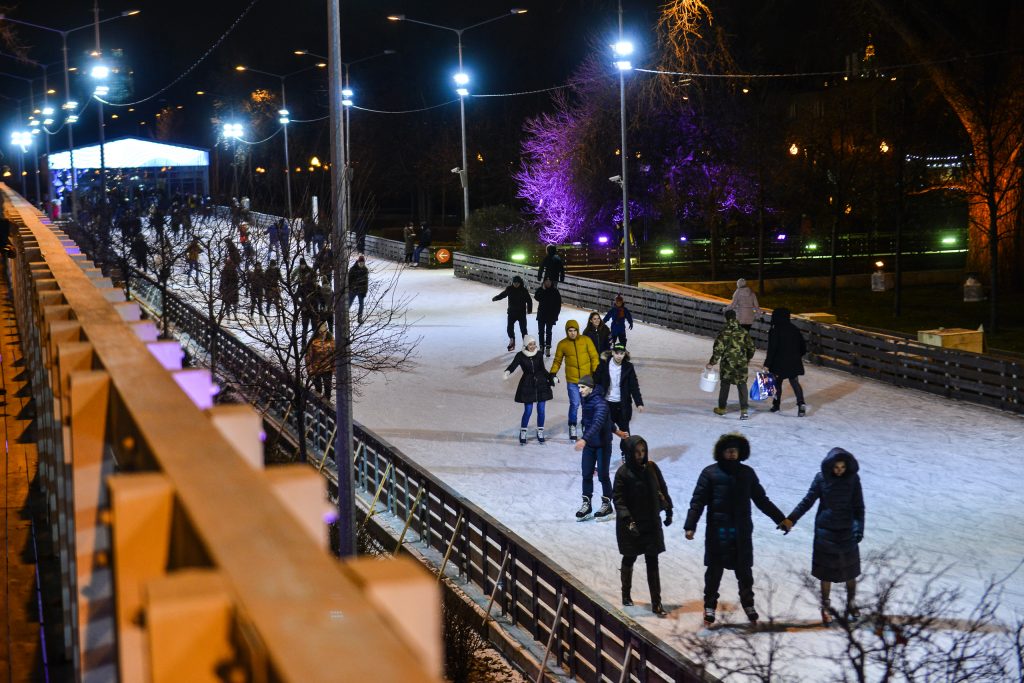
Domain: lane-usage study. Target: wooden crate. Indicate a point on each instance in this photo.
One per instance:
(954, 338)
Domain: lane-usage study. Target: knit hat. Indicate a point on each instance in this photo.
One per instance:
(618, 346)
(730, 314)
(586, 381)
(517, 280)
(529, 339)
(741, 283)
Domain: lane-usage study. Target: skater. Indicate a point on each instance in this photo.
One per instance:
(640, 495)
(598, 332)
(320, 361)
(519, 305)
(619, 315)
(744, 302)
(272, 287)
(256, 279)
(838, 528)
(534, 386)
(726, 489)
(425, 240)
(734, 348)
(786, 348)
(552, 267)
(549, 307)
(409, 234)
(621, 389)
(595, 443)
(274, 237)
(284, 235)
(192, 254)
(581, 359)
(229, 287)
(358, 285)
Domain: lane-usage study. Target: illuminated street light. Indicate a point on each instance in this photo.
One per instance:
(461, 78)
(101, 90)
(233, 130)
(793, 149)
(47, 111)
(283, 116)
(883, 147)
(346, 97)
(100, 71)
(623, 48)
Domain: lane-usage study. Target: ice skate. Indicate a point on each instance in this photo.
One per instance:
(659, 610)
(744, 415)
(540, 434)
(572, 432)
(606, 509)
(709, 616)
(511, 345)
(585, 509)
(522, 436)
(547, 351)
(801, 410)
(751, 613)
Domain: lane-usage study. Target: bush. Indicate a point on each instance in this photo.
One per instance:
(495, 231)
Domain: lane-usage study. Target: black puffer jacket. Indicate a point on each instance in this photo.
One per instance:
(726, 489)
(519, 300)
(629, 386)
(358, 279)
(535, 384)
(599, 335)
(640, 494)
(786, 346)
(839, 522)
(549, 304)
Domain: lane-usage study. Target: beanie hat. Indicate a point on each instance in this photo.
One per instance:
(741, 283)
(730, 314)
(618, 346)
(586, 381)
(517, 280)
(551, 249)
(529, 339)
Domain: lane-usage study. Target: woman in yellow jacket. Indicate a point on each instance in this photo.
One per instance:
(581, 359)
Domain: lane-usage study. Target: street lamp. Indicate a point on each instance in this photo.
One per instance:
(22, 139)
(622, 50)
(234, 131)
(461, 80)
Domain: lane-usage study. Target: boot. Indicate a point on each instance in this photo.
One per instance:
(522, 436)
(540, 434)
(547, 351)
(654, 583)
(627, 585)
(751, 613)
(511, 345)
(775, 406)
(709, 616)
(801, 410)
(719, 411)
(585, 510)
(606, 508)
(572, 432)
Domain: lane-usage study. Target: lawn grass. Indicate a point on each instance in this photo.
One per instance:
(924, 308)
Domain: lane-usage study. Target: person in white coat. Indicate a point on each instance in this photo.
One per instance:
(744, 302)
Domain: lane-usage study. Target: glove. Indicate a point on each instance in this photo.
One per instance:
(554, 380)
(631, 326)
(633, 529)
(858, 532)
(786, 525)
(668, 518)
(506, 375)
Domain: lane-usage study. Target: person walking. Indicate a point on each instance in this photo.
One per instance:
(733, 349)
(595, 444)
(838, 528)
(640, 494)
(581, 359)
(598, 332)
(744, 302)
(274, 238)
(320, 361)
(620, 316)
(519, 306)
(552, 267)
(534, 386)
(549, 307)
(727, 489)
(284, 234)
(256, 283)
(272, 286)
(358, 285)
(786, 349)
(192, 254)
(409, 235)
(425, 239)
(621, 388)
(229, 287)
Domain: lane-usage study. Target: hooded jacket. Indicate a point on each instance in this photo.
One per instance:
(597, 424)
(535, 384)
(519, 301)
(552, 266)
(786, 346)
(726, 489)
(733, 349)
(579, 355)
(629, 386)
(549, 304)
(744, 302)
(839, 522)
(639, 494)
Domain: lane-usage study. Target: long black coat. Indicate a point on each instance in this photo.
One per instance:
(553, 267)
(786, 346)
(535, 384)
(629, 386)
(727, 489)
(358, 279)
(549, 304)
(839, 522)
(519, 301)
(640, 494)
(599, 336)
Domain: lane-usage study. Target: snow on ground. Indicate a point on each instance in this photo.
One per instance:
(940, 477)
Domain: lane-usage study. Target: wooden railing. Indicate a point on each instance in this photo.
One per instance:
(182, 558)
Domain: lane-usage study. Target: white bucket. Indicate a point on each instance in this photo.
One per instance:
(709, 380)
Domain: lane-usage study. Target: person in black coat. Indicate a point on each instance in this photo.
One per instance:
(534, 386)
(838, 527)
(786, 349)
(726, 489)
(621, 388)
(358, 284)
(595, 442)
(549, 307)
(598, 332)
(426, 237)
(552, 267)
(640, 495)
(519, 305)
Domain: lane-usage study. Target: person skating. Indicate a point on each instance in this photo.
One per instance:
(534, 386)
(320, 361)
(552, 267)
(358, 285)
(744, 302)
(640, 494)
(581, 359)
(620, 316)
(733, 350)
(726, 489)
(549, 307)
(838, 528)
(621, 388)
(409, 235)
(425, 239)
(519, 305)
(598, 332)
(595, 442)
(786, 349)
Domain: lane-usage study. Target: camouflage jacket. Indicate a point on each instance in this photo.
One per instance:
(733, 349)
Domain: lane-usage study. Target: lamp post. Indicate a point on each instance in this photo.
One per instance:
(623, 49)
(70, 105)
(34, 126)
(22, 139)
(462, 81)
(234, 131)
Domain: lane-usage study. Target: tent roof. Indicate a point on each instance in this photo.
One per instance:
(131, 153)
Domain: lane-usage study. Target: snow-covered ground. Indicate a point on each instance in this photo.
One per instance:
(941, 478)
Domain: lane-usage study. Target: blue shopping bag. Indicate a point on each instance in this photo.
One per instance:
(763, 386)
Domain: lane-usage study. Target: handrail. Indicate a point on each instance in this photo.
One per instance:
(170, 533)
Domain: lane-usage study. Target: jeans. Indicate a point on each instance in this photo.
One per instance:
(713, 579)
(528, 411)
(416, 253)
(544, 331)
(514, 318)
(352, 297)
(599, 458)
(574, 401)
(794, 382)
(723, 394)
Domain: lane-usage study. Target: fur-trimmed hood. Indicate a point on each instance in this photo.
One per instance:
(732, 440)
(835, 455)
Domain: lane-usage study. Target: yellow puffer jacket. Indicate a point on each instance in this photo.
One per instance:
(581, 358)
